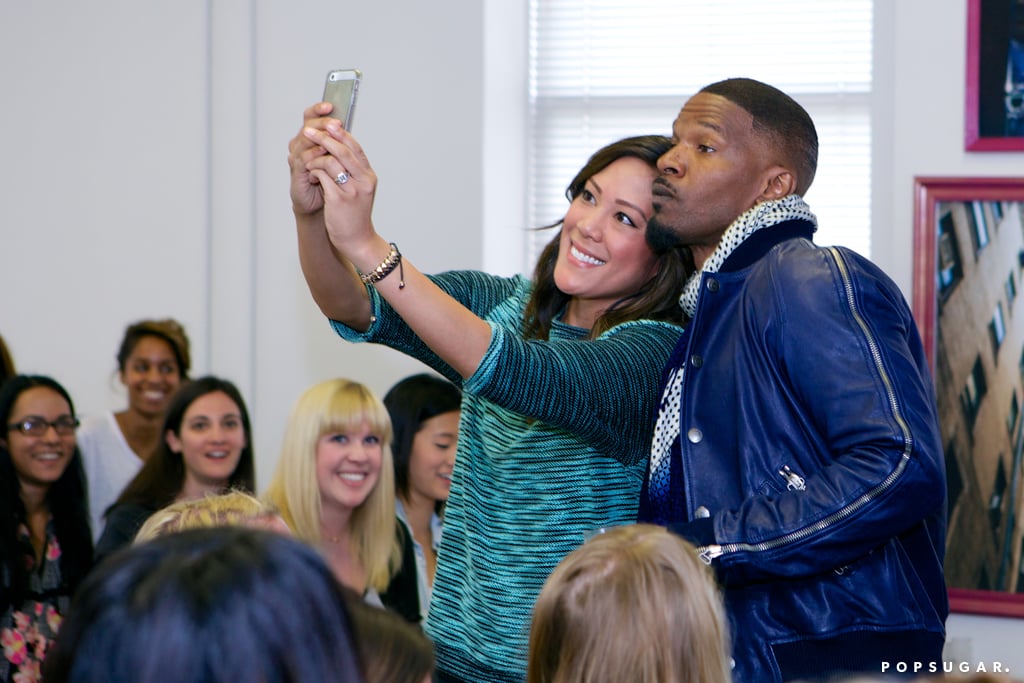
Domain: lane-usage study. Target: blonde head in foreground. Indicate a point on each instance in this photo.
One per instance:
(232, 508)
(632, 604)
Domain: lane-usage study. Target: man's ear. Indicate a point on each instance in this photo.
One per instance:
(781, 183)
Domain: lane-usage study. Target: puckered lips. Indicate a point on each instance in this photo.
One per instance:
(661, 187)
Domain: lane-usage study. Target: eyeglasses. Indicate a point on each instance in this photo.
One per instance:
(38, 426)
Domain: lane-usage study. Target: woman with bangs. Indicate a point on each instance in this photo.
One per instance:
(334, 483)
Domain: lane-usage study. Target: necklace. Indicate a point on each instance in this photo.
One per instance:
(336, 540)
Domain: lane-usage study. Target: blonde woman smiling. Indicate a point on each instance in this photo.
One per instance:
(334, 483)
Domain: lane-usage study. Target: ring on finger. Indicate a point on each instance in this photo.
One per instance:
(341, 178)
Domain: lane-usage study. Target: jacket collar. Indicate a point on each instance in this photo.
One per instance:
(762, 217)
(761, 242)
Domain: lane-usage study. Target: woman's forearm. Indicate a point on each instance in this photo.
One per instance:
(450, 329)
(333, 281)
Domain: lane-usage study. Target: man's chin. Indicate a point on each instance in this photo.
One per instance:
(660, 236)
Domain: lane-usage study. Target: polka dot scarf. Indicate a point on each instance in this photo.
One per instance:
(763, 215)
(666, 428)
(666, 432)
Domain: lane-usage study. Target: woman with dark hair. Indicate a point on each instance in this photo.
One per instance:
(153, 360)
(212, 605)
(425, 412)
(559, 374)
(45, 544)
(206, 448)
(7, 369)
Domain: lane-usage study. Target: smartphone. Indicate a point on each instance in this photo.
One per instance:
(341, 90)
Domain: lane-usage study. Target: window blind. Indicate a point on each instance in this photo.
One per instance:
(600, 70)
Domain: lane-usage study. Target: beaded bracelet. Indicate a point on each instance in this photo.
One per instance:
(384, 268)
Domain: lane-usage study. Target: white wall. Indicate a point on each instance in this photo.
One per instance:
(143, 152)
(144, 174)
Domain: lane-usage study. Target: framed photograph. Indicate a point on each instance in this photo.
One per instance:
(994, 118)
(968, 300)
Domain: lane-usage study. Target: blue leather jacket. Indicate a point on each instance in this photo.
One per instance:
(809, 469)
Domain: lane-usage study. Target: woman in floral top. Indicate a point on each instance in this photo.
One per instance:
(42, 499)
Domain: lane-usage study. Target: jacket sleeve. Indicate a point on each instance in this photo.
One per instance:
(842, 346)
(603, 390)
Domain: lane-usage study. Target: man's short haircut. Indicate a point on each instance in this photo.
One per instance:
(786, 125)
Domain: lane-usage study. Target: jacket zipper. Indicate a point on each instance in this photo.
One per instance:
(711, 552)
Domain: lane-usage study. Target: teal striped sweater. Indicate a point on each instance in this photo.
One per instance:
(553, 441)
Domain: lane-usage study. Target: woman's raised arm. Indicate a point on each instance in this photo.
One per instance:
(332, 280)
(347, 185)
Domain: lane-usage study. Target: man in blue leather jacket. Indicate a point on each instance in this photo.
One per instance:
(797, 442)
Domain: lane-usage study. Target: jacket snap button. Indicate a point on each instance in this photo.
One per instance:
(696, 361)
(701, 512)
(712, 285)
(695, 435)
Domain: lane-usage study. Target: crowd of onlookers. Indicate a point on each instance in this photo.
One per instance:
(325, 575)
(82, 497)
(195, 576)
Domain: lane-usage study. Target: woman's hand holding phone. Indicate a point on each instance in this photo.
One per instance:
(341, 90)
(348, 184)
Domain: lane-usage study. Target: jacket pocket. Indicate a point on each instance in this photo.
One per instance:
(785, 478)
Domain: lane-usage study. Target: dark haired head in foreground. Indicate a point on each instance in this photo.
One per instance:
(205, 606)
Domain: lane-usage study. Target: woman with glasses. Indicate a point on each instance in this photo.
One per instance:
(45, 543)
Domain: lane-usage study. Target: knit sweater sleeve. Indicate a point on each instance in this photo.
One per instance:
(477, 291)
(603, 391)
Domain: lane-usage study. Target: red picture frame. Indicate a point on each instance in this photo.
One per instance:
(968, 275)
(988, 32)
